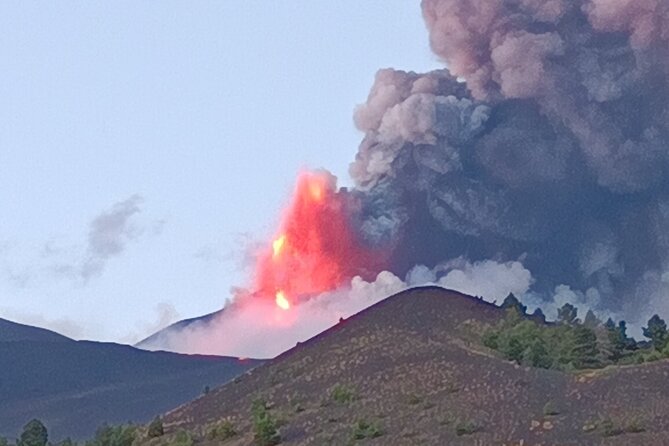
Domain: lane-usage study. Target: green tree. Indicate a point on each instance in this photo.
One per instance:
(657, 332)
(67, 442)
(4, 441)
(583, 349)
(539, 315)
(34, 434)
(591, 320)
(512, 301)
(115, 436)
(567, 314)
(537, 354)
(156, 428)
(264, 426)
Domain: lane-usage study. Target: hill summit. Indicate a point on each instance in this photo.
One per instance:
(412, 370)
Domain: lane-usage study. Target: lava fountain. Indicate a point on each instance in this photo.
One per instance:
(315, 250)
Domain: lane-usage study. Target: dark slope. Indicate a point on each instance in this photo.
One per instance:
(13, 331)
(74, 387)
(413, 368)
(160, 339)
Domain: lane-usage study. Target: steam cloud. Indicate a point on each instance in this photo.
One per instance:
(535, 164)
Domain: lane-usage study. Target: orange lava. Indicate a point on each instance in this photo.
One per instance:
(315, 249)
(281, 301)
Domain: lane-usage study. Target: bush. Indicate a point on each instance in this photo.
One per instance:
(466, 428)
(182, 438)
(222, 432)
(114, 436)
(156, 428)
(264, 426)
(634, 426)
(413, 399)
(608, 429)
(362, 429)
(491, 339)
(342, 394)
(550, 409)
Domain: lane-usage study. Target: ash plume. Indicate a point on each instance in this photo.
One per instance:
(534, 162)
(544, 140)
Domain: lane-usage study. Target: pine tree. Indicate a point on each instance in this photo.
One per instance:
(591, 321)
(620, 342)
(156, 428)
(512, 301)
(539, 315)
(264, 425)
(657, 332)
(567, 314)
(34, 434)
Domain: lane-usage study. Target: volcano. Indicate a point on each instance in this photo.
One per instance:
(410, 366)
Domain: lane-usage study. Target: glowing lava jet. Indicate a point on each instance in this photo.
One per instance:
(315, 250)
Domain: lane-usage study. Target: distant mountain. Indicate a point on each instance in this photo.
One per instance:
(12, 332)
(411, 370)
(161, 339)
(75, 386)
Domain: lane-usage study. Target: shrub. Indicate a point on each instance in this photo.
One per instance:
(264, 426)
(362, 429)
(156, 428)
(550, 409)
(608, 429)
(222, 431)
(182, 438)
(413, 399)
(491, 339)
(466, 428)
(115, 436)
(634, 426)
(342, 394)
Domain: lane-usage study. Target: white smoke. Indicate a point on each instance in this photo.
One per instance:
(256, 327)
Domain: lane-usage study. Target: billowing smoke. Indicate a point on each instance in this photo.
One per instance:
(534, 162)
(544, 141)
(256, 327)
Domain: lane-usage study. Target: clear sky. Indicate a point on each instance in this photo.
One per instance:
(145, 145)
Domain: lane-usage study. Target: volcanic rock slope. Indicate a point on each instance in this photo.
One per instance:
(75, 386)
(410, 366)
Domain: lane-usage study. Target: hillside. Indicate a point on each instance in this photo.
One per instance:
(74, 387)
(12, 332)
(411, 367)
(160, 340)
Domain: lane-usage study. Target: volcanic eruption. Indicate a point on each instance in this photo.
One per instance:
(537, 157)
(316, 249)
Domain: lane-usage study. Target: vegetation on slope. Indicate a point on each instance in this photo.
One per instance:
(570, 343)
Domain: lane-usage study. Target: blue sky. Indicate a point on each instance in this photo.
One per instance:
(145, 145)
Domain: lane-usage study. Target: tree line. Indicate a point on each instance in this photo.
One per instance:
(571, 343)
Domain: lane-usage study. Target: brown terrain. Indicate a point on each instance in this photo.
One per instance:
(413, 366)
